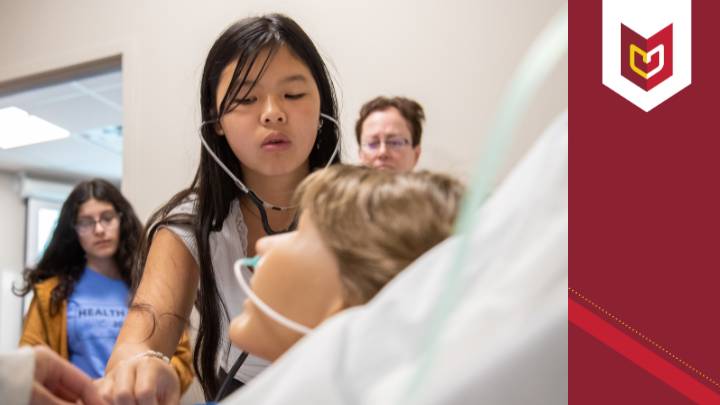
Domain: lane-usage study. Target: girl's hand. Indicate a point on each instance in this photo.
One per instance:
(142, 380)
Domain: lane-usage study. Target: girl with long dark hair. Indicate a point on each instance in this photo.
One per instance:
(268, 107)
(81, 283)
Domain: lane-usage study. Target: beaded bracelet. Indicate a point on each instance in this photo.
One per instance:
(152, 353)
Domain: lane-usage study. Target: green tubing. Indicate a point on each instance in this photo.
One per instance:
(537, 64)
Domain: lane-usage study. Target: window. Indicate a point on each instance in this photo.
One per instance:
(42, 216)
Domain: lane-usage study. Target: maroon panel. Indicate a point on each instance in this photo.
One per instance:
(644, 220)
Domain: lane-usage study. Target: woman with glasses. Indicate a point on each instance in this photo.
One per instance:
(388, 132)
(82, 280)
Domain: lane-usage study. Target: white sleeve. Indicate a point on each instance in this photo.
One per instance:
(185, 232)
(187, 236)
(16, 375)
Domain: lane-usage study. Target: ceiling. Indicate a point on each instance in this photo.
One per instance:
(91, 109)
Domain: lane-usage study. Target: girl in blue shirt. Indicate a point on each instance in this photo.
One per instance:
(82, 280)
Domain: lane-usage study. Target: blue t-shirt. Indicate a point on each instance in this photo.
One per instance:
(95, 312)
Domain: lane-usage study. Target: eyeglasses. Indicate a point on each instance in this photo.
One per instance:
(391, 144)
(108, 221)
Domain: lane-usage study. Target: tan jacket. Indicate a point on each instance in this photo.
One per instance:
(41, 328)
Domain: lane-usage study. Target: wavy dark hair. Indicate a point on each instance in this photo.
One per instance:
(65, 258)
(213, 189)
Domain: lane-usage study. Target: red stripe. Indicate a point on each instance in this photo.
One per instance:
(645, 358)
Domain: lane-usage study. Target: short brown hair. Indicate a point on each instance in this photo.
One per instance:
(376, 223)
(411, 110)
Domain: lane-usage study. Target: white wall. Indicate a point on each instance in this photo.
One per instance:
(12, 224)
(455, 57)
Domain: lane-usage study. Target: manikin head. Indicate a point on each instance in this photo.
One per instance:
(358, 229)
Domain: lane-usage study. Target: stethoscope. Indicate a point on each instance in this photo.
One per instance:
(230, 376)
(262, 206)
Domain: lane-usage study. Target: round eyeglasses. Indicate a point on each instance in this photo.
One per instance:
(108, 221)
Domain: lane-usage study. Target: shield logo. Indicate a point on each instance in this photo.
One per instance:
(647, 49)
(646, 62)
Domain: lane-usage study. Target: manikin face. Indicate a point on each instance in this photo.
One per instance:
(98, 228)
(272, 129)
(299, 278)
(386, 142)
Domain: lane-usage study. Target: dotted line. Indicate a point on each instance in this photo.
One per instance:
(643, 337)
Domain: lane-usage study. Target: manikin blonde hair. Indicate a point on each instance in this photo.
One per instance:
(376, 223)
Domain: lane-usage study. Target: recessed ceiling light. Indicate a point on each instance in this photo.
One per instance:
(18, 128)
